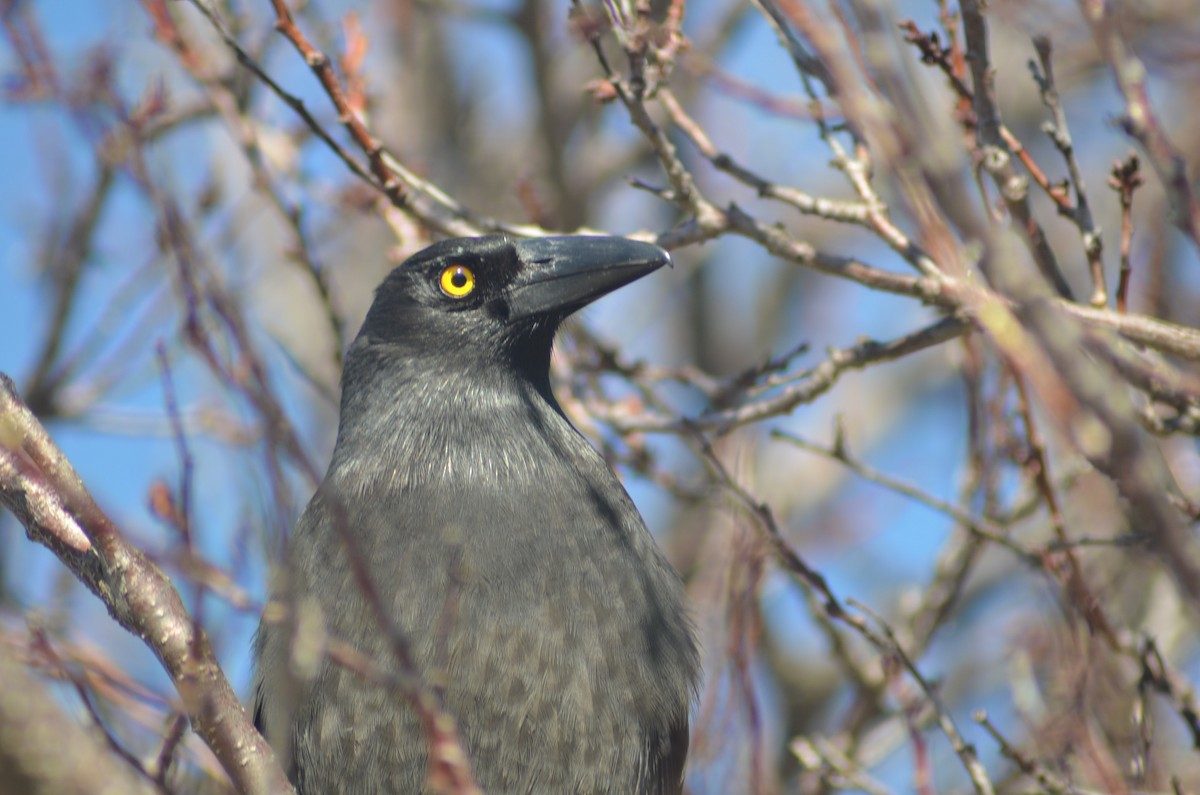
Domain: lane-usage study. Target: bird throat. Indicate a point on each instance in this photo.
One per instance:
(485, 432)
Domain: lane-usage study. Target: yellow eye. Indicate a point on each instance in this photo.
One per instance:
(457, 281)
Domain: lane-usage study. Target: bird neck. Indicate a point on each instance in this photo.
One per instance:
(426, 424)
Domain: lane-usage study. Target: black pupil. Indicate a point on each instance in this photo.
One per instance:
(458, 279)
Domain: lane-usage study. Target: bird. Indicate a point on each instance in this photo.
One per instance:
(499, 545)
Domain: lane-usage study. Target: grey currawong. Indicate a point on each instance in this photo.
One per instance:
(505, 551)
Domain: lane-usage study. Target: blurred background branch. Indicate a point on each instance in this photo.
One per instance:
(914, 416)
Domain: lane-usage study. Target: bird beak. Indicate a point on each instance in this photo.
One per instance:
(562, 274)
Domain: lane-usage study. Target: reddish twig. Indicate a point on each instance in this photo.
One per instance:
(1125, 179)
(321, 66)
(1072, 579)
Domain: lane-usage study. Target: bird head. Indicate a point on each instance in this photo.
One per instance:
(496, 298)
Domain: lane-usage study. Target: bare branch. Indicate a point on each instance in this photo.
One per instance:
(137, 594)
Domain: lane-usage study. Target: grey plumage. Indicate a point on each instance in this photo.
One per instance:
(506, 551)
